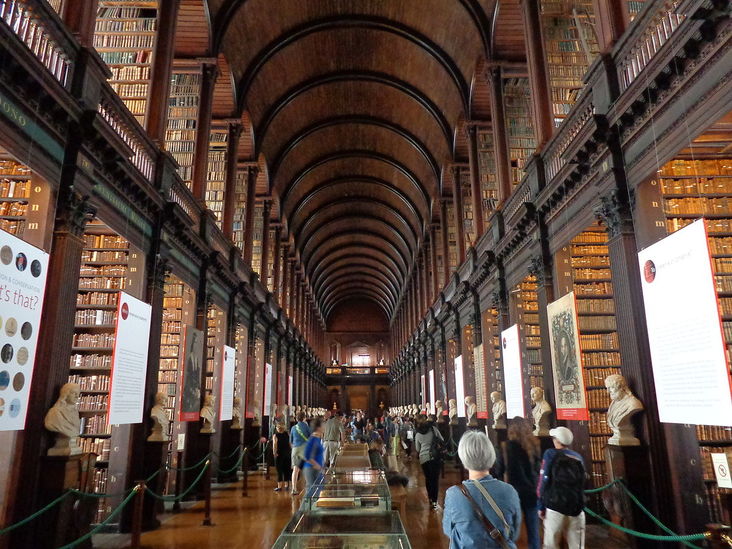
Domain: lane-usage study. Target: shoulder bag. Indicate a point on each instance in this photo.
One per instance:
(493, 532)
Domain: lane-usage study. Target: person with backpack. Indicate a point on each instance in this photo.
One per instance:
(561, 493)
(429, 445)
(481, 511)
(299, 435)
(518, 464)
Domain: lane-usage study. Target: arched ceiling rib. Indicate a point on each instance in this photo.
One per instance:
(354, 105)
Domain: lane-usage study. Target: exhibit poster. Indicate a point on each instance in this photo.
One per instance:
(513, 382)
(423, 387)
(129, 360)
(684, 330)
(22, 287)
(267, 389)
(569, 383)
(226, 402)
(432, 397)
(289, 390)
(481, 398)
(190, 401)
(459, 386)
(721, 470)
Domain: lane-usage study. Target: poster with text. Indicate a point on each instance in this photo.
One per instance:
(22, 287)
(481, 398)
(684, 330)
(511, 352)
(190, 401)
(432, 398)
(459, 386)
(226, 404)
(423, 390)
(267, 390)
(569, 383)
(129, 360)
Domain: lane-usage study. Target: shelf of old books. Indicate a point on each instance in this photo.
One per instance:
(257, 233)
(492, 352)
(571, 45)
(216, 175)
(451, 237)
(241, 342)
(468, 221)
(215, 340)
(124, 35)
(520, 129)
(178, 311)
(525, 306)
(469, 365)
(108, 265)
(691, 189)
(487, 169)
(268, 276)
(240, 203)
(180, 134)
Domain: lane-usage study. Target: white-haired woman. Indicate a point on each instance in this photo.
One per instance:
(481, 500)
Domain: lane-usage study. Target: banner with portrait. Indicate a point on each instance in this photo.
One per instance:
(569, 383)
(190, 393)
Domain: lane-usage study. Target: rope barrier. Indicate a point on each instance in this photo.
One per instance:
(184, 494)
(234, 468)
(35, 515)
(642, 535)
(102, 524)
(192, 467)
(232, 454)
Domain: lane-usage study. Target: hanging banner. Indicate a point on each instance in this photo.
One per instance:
(459, 386)
(267, 390)
(129, 360)
(22, 287)
(226, 402)
(511, 352)
(432, 397)
(289, 390)
(190, 400)
(684, 330)
(481, 398)
(569, 383)
(248, 405)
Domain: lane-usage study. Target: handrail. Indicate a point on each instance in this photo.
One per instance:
(579, 115)
(181, 195)
(32, 22)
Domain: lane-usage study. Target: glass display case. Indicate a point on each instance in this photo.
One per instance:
(309, 530)
(347, 498)
(353, 476)
(351, 461)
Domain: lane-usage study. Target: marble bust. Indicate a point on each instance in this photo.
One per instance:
(257, 421)
(63, 419)
(623, 406)
(236, 415)
(208, 415)
(160, 420)
(452, 411)
(438, 411)
(471, 411)
(541, 412)
(415, 410)
(499, 411)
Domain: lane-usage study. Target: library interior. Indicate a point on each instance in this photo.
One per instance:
(366, 251)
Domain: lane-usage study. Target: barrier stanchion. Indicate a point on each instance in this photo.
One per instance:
(245, 479)
(719, 536)
(207, 495)
(178, 481)
(137, 515)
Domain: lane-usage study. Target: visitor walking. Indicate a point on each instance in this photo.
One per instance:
(299, 435)
(518, 464)
(561, 493)
(482, 511)
(333, 436)
(314, 454)
(427, 443)
(282, 454)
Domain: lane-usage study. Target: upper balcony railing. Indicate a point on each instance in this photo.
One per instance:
(33, 23)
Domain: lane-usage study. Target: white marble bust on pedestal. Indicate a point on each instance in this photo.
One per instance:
(236, 415)
(499, 411)
(63, 419)
(452, 411)
(541, 411)
(160, 421)
(208, 415)
(438, 411)
(623, 406)
(471, 411)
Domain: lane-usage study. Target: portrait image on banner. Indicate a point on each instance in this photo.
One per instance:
(190, 401)
(22, 288)
(459, 386)
(569, 384)
(226, 401)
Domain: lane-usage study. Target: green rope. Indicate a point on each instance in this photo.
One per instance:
(232, 454)
(654, 537)
(35, 515)
(192, 467)
(156, 473)
(97, 495)
(102, 524)
(184, 494)
(234, 468)
(602, 488)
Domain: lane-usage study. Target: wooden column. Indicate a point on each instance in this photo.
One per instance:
(433, 258)
(276, 290)
(291, 289)
(203, 130)
(157, 105)
(425, 278)
(475, 188)
(264, 268)
(80, 17)
(232, 148)
(417, 290)
(500, 137)
(457, 201)
(445, 241)
(611, 20)
(252, 172)
(285, 277)
(538, 74)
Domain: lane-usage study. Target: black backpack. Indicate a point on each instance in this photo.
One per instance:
(437, 447)
(564, 492)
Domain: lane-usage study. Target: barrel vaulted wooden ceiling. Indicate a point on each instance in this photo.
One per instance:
(355, 108)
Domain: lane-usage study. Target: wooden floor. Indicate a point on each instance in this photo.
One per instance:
(256, 521)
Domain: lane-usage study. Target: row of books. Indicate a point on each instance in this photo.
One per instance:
(95, 425)
(98, 446)
(680, 167)
(169, 363)
(91, 383)
(697, 206)
(579, 275)
(93, 340)
(590, 261)
(597, 323)
(167, 376)
(597, 449)
(136, 41)
(94, 317)
(598, 398)
(82, 362)
(12, 188)
(593, 288)
(172, 322)
(591, 342)
(13, 209)
(104, 241)
(596, 376)
(92, 256)
(723, 283)
(590, 306)
(131, 91)
(138, 57)
(713, 432)
(170, 338)
(600, 359)
(129, 72)
(716, 510)
(12, 167)
(697, 185)
(96, 298)
(132, 25)
(105, 270)
(598, 423)
(102, 283)
(127, 12)
(93, 402)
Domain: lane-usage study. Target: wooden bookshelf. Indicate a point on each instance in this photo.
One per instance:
(571, 45)
(487, 169)
(525, 307)
(269, 275)
(24, 202)
(520, 128)
(440, 258)
(492, 352)
(691, 189)
(240, 207)
(216, 175)
(215, 339)
(257, 234)
(180, 134)
(125, 35)
(469, 365)
(468, 214)
(451, 238)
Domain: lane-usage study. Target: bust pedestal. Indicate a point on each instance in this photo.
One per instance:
(154, 458)
(230, 439)
(70, 519)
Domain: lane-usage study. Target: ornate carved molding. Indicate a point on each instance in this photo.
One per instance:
(74, 215)
(614, 211)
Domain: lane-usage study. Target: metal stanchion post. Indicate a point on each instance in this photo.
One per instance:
(207, 495)
(137, 515)
(178, 481)
(719, 536)
(245, 468)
